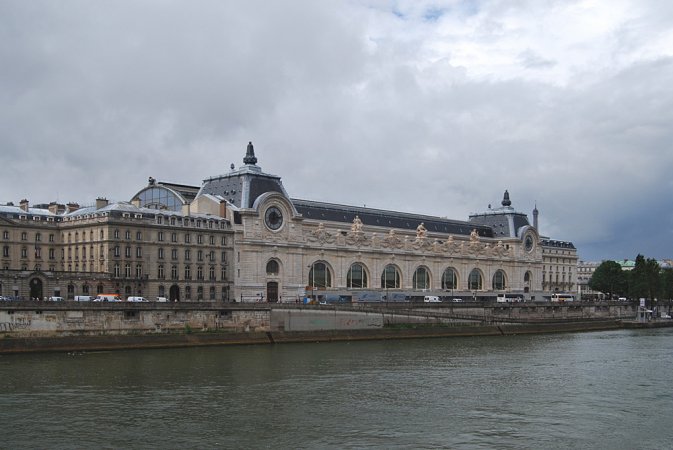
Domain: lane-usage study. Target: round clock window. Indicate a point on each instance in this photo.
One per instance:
(528, 243)
(273, 217)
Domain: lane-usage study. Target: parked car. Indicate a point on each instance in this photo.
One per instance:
(136, 299)
(55, 299)
(457, 300)
(431, 299)
(162, 299)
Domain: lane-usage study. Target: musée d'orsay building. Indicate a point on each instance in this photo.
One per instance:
(241, 237)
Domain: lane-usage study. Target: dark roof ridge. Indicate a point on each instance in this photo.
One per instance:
(382, 212)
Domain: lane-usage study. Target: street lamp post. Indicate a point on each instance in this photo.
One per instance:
(311, 278)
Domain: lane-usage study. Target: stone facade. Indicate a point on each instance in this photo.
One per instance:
(559, 266)
(241, 237)
(114, 248)
(300, 243)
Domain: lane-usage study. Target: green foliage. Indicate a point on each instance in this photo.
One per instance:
(667, 284)
(609, 278)
(645, 278)
(188, 329)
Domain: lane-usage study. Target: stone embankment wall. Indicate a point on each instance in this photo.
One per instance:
(26, 327)
(45, 319)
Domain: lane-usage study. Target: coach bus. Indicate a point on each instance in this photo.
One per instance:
(562, 298)
(509, 298)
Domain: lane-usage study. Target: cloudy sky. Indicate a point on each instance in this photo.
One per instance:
(434, 107)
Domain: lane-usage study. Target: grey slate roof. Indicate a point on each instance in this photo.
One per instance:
(557, 244)
(503, 223)
(382, 218)
(187, 192)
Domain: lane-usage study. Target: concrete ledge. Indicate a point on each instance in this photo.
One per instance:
(144, 341)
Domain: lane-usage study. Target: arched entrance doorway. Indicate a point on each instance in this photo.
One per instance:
(174, 293)
(36, 288)
(272, 291)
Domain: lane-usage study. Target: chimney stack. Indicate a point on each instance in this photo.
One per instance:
(72, 207)
(223, 208)
(101, 202)
(23, 204)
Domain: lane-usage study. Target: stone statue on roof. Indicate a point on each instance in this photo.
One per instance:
(357, 225)
(474, 236)
(421, 231)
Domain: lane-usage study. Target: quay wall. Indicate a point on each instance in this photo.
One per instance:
(41, 319)
(35, 319)
(168, 340)
(42, 326)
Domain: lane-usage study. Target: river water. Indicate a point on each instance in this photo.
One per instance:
(601, 390)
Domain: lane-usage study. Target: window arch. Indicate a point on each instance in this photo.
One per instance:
(319, 276)
(390, 278)
(357, 276)
(160, 197)
(272, 267)
(421, 279)
(474, 281)
(499, 280)
(450, 279)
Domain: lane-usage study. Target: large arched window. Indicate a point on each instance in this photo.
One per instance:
(319, 276)
(356, 277)
(421, 278)
(499, 280)
(160, 197)
(474, 281)
(390, 278)
(272, 267)
(449, 279)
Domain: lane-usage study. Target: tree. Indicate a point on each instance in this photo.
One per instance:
(646, 279)
(667, 285)
(609, 279)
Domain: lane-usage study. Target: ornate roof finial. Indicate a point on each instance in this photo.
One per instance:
(505, 200)
(250, 155)
(535, 214)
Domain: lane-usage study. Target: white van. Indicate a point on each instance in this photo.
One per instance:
(162, 299)
(136, 299)
(55, 299)
(431, 299)
(107, 298)
(83, 298)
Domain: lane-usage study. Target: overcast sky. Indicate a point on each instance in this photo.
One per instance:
(433, 107)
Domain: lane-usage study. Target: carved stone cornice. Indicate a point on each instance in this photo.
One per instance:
(321, 236)
(358, 239)
(392, 241)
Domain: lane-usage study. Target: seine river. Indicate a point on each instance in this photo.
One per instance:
(601, 390)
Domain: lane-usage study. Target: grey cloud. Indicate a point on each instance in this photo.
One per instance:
(103, 95)
(532, 60)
